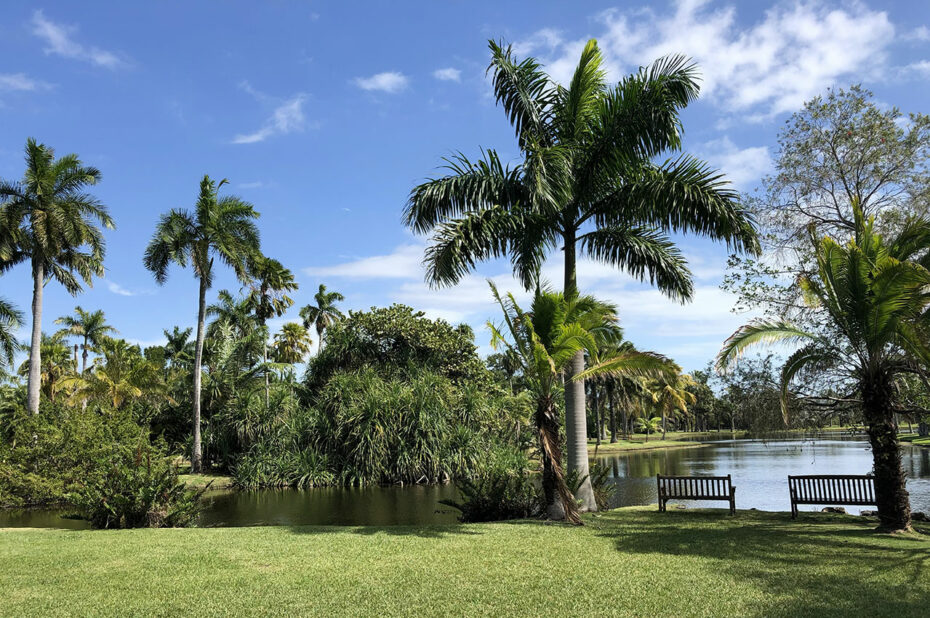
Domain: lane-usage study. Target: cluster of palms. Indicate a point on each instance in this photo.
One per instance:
(588, 182)
(49, 221)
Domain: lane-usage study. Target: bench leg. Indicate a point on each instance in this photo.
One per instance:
(733, 501)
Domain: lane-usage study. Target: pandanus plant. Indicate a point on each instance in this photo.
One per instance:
(873, 294)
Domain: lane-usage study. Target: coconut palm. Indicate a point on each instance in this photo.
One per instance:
(122, 376)
(545, 340)
(218, 228)
(10, 320)
(649, 425)
(91, 326)
(292, 344)
(670, 395)
(588, 182)
(270, 282)
(874, 295)
(48, 220)
(324, 313)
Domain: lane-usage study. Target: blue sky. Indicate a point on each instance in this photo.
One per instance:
(324, 115)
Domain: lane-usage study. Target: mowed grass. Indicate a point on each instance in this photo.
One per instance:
(629, 562)
(915, 439)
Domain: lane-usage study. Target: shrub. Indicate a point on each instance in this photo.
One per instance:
(502, 489)
(136, 488)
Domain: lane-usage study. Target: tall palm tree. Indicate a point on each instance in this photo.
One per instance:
(588, 182)
(218, 228)
(89, 325)
(48, 220)
(545, 340)
(670, 395)
(177, 347)
(270, 282)
(10, 320)
(875, 294)
(292, 344)
(324, 313)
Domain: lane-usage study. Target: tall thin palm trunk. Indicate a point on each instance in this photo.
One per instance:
(196, 452)
(612, 412)
(84, 357)
(267, 382)
(35, 344)
(576, 425)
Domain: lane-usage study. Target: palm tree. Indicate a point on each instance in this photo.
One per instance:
(48, 220)
(873, 295)
(324, 313)
(588, 182)
(649, 425)
(90, 325)
(270, 281)
(123, 376)
(56, 365)
(10, 320)
(545, 340)
(670, 395)
(218, 228)
(177, 347)
(292, 344)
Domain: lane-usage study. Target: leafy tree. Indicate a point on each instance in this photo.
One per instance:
(56, 365)
(10, 320)
(292, 344)
(875, 292)
(49, 220)
(219, 228)
(588, 181)
(324, 314)
(546, 339)
(89, 325)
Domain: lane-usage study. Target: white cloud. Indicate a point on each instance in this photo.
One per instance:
(21, 82)
(920, 33)
(258, 184)
(287, 118)
(741, 166)
(390, 82)
(922, 68)
(405, 262)
(793, 53)
(59, 41)
(119, 290)
(448, 75)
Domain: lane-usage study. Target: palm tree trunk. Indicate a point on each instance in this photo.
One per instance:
(576, 423)
(664, 424)
(84, 358)
(612, 412)
(893, 501)
(267, 384)
(196, 452)
(35, 344)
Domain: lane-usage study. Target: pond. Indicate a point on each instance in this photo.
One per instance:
(759, 470)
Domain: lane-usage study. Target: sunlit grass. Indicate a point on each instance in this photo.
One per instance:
(627, 562)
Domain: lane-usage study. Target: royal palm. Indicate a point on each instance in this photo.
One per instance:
(873, 294)
(268, 298)
(49, 220)
(587, 183)
(219, 228)
(322, 315)
(91, 326)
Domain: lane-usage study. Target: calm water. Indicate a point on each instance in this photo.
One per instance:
(759, 471)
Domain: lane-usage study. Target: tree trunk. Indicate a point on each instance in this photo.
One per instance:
(595, 396)
(75, 356)
(84, 358)
(894, 508)
(576, 423)
(612, 412)
(267, 383)
(35, 344)
(196, 452)
(664, 424)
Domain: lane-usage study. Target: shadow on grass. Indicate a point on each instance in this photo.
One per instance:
(426, 532)
(816, 565)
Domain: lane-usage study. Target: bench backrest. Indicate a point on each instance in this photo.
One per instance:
(832, 489)
(697, 487)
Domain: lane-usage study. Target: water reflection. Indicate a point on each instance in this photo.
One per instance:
(759, 470)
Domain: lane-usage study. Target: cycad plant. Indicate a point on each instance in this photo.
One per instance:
(590, 181)
(545, 339)
(50, 221)
(219, 228)
(873, 293)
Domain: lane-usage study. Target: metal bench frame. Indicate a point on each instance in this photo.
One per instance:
(696, 488)
(831, 489)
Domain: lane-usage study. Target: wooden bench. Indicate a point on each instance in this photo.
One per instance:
(696, 488)
(831, 489)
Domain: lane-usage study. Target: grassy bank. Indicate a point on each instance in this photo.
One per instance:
(673, 439)
(914, 439)
(626, 562)
(199, 481)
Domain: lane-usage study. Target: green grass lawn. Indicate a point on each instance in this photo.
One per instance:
(199, 481)
(913, 438)
(626, 562)
(673, 439)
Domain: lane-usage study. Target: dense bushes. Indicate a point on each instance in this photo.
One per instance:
(370, 429)
(502, 488)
